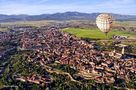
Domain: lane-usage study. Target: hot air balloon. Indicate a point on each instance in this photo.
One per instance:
(104, 22)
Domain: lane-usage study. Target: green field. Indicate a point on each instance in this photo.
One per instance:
(96, 33)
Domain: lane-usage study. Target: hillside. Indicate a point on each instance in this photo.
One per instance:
(54, 60)
(62, 16)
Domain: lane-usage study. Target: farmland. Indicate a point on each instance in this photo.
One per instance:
(31, 23)
(96, 33)
(3, 29)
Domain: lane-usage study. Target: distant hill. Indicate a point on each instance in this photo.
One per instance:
(62, 16)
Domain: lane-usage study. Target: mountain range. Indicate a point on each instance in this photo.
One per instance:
(62, 16)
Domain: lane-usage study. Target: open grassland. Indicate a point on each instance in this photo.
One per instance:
(76, 22)
(96, 33)
(31, 23)
(47, 22)
(126, 23)
(3, 29)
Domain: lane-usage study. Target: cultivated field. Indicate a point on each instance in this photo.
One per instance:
(96, 33)
(31, 23)
(126, 23)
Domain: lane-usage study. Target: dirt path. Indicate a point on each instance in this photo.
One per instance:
(51, 70)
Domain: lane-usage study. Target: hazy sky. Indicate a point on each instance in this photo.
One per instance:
(52, 6)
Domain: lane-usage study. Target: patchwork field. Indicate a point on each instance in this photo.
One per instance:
(31, 23)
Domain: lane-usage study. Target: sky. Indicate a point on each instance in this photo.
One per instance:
(36, 7)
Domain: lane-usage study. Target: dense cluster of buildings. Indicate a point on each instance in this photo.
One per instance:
(8, 43)
(37, 79)
(6, 49)
(5, 36)
(53, 45)
(50, 45)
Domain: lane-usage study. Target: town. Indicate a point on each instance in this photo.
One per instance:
(50, 44)
(67, 45)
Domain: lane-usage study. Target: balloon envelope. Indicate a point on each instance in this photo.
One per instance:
(104, 22)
